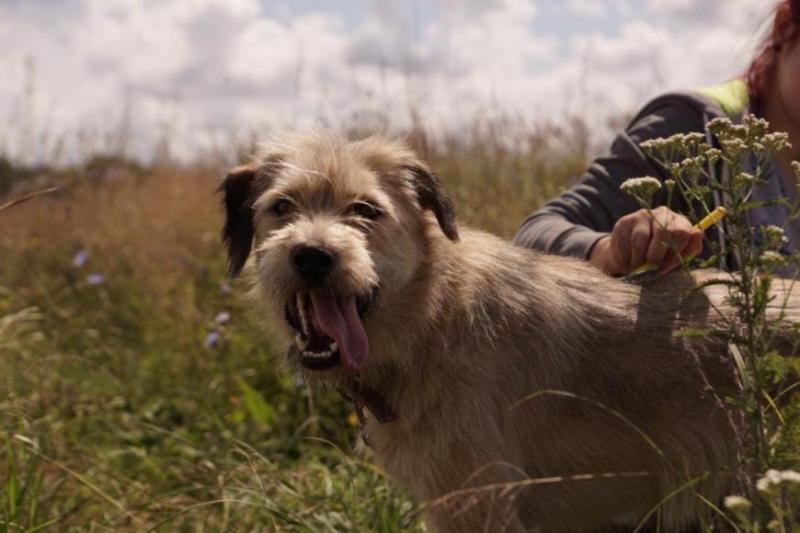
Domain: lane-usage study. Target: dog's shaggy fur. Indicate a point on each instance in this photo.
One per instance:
(530, 390)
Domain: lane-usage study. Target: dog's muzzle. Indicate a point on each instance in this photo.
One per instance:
(328, 325)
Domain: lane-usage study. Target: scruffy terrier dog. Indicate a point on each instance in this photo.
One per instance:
(504, 388)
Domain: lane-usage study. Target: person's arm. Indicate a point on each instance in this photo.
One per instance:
(574, 222)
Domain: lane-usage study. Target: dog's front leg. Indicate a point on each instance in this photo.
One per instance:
(470, 485)
(485, 509)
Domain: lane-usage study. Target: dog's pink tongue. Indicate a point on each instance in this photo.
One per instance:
(340, 321)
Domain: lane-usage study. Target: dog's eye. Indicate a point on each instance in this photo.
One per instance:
(366, 210)
(281, 207)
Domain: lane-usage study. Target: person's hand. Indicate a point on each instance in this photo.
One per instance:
(660, 236)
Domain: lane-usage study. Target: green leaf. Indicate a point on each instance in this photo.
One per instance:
(257, 407)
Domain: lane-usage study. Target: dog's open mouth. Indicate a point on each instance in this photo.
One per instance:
(329, 329)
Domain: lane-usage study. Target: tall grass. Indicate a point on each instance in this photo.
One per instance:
(138, 392)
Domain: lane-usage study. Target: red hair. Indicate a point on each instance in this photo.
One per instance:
(785, 25)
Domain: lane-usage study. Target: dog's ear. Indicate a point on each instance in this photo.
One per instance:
(239, 189)
(431, 195)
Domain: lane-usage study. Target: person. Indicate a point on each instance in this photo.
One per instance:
(597, 221)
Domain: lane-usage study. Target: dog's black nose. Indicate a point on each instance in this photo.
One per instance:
(312, 262)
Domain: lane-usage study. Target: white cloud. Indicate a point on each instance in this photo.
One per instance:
(194, 71)
(712, 13)
(587, 8)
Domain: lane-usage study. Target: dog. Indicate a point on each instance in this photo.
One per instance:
(505, 389)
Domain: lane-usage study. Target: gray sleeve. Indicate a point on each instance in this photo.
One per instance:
(574, 221)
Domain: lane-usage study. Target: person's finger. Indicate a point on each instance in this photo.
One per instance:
(669, 263)
(621, 240)
(695, 246)
(640, 240)
(692, 248)
(659, 241)
(679, 239)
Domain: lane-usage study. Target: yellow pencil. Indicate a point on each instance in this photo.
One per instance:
(709, 220)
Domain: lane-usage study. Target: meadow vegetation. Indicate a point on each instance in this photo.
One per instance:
(136, 390)
(139, 392)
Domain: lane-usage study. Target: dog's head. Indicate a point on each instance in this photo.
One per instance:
(336, 229)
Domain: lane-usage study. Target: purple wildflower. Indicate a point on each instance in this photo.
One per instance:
(212, 339)
(80, 258)
(95, 278)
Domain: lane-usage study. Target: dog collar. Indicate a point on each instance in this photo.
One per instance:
(365, 397)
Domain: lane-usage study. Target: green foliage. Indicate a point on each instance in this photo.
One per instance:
(256, 406)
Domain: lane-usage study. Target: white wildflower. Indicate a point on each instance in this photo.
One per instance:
(757, 126)
(694, 138)
(713, 155)
(676, 141)
(654, 146)
(790, 476)
(733, 146)
(796, 168)
(743, 180)
(774, 237)
(719, 126)
(738, 130)
(771, 257)
(777, 141)
(737, 503)
(649, 144)
(692, 164)
(642, 188)
(771, 479)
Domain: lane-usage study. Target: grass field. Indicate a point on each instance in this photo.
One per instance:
(137, 391)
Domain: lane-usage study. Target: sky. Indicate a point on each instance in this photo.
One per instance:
(189, 78)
